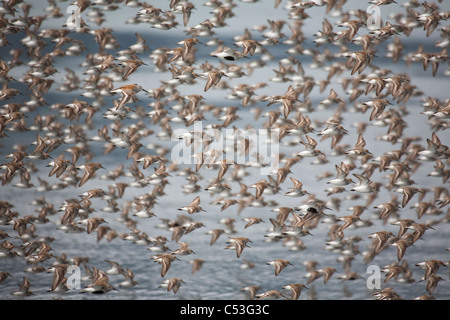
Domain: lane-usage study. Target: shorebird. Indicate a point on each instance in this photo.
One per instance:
(297, 189)
(238, 244)
(401, 245)
(183, 8)
(4, 275)
(165, 259)
(248, 46)
(130, 66)
(434, 150)
(296, 289)
(283, 213)
(188, 45)
(365, 185)
(432, 283)
(334, 130)
(196, 265)
(260, 186)
(381, 2)
(277, 231)
(193, 207)
(353, 27)
(431, 267)
(223, 168)
(252, 221)
(279, 264)
(172, 284)
(298, 228)
(327, 273)
(359, 148)
(288, 99)
(332, 99)
(89, 171)
(115, 267)
(100, 283)
(93, 223)
(128, 92)
(24, 288)
(271, 294)
(93, 193)
(282, 174)
(191, 226)
(341, 176)
(183, 249)
(247, 264)
(310, 148)
(440, 171)
(140, 46)
(228, 54)
(359, 59)
(348, 221)
(251, 290)
(380, 239)
(305, 4)
(408, 193)
(419, 230)
(403, 224)
(215, 234)
(59, 166)
(387, 294)
(313, 275)
(392, 272)
(59, 280)
(213, 77)
(378, 106)
(129, 279)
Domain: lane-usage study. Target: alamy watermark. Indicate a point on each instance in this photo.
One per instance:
(73, 22)
(374, 18)
(73, 275)
(374, 280)
(210, 146)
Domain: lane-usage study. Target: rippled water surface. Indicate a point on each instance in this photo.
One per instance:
(221, 276)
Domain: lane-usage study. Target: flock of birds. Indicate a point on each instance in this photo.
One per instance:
(62, 156)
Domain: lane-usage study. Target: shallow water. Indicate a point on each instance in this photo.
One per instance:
(221, 276)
